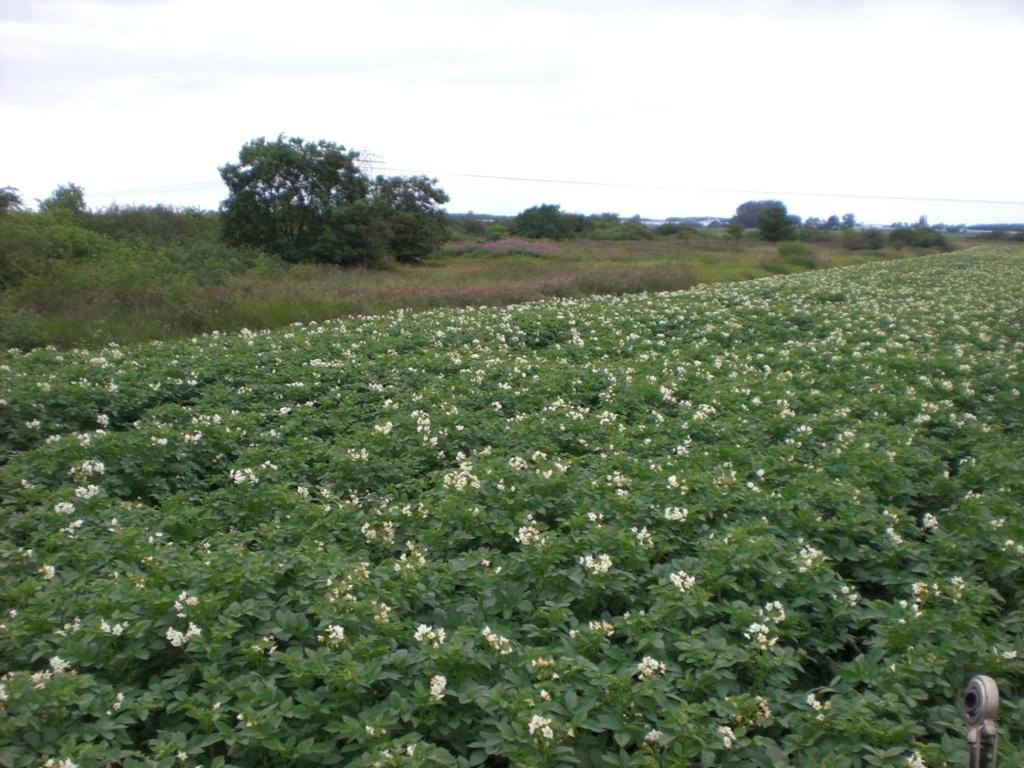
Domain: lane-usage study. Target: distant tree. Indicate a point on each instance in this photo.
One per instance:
(832, 222)
(813, 222)
(849, 221)
(749, 213)
(66, 197)
(405, 216)
(299, 200)
(774, 224)
(546, 221)
(10, 200)
(922, 221)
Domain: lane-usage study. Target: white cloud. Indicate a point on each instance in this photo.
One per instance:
(913, 99)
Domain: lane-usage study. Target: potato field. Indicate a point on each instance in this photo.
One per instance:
(768, 523)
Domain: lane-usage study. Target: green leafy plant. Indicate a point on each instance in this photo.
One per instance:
(763, 523)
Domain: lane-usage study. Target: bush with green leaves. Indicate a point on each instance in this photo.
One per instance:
(60, 279)
(154, 223)
(674, 229)
(917, 237)
(610, 226)
(755, 524)
(870, 239)
(69, 198)
(546, 221)
(30, 243)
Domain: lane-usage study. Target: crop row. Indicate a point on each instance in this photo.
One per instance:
(768, 523)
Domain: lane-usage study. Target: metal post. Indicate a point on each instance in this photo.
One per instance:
(981, 707)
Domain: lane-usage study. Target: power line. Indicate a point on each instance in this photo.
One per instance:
(186, 187)
(854, 196)
(374, 163)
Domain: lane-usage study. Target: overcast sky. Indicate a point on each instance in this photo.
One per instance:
(664, 108)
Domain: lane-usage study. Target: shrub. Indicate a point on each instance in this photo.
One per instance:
(161, 223)
(498, 230)
(546, 221)
(674, 229)
(918, 237)
(862, 239)
(626, 230)
(30, 242)
(774, 224)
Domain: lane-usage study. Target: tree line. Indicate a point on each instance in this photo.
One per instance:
(311, 201)
(297, 200)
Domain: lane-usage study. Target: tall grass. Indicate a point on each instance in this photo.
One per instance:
(67, 286)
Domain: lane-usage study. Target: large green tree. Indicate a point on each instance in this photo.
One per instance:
(299, 200)
(406, 219)
(749, 213)
(310, 201)
(774, 224)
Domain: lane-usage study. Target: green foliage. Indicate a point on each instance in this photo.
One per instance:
(65, 283)
(66, 197)
(673, 229)
(498, 230)
(31, 243)
(774, 224)
(862, 239)
(546, 221)
(298, 200)
(405, 216)
(202, 285)
(608, 226)
(10, 200)
(749, 214)
(918, 237)
(306, 201)
(154, 223)
(752, 524)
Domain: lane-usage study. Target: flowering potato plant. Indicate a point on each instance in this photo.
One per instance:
(758, 524)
